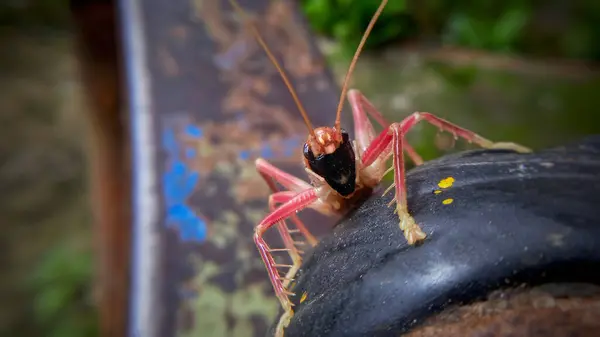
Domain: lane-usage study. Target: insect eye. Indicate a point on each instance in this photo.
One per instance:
(345, 136)
(308, 152)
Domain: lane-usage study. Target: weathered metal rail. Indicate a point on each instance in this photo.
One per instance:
(108, 144)
(183, 100)
(203, 101)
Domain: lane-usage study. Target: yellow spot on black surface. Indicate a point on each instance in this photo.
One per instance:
(448, 201)
(446, 182)
(437, 191)
(304, 296)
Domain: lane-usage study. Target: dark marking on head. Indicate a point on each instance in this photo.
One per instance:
(337, 168)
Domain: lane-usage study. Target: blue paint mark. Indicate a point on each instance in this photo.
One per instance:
(290, 145)
(190, 153)
(169, 142)
(193, 131)
(267, 152)
(245, 155)
(179, 182)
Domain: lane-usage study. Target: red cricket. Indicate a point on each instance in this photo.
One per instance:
(340, 171)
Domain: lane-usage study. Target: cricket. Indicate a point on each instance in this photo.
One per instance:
(341, 171)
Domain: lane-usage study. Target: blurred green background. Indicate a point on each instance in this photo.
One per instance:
(552, 28)
(515, 70)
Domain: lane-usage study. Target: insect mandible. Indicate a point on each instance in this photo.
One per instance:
(341, 171)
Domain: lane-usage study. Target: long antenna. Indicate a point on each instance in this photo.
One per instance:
(287, 82)
(338, 114)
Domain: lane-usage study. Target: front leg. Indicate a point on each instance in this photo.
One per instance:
(394, 135)
(290, 202)
(295, 204)
(272, 175)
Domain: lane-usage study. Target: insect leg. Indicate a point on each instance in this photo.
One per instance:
(391, 141)
(291, 245)
(458, 131)
(412, 231)
(363, 129)
(380, 147)
(288, 241)
(271, 175)
(297, 203)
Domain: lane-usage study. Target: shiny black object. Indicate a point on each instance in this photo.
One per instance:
(514, 219)
(337, 168)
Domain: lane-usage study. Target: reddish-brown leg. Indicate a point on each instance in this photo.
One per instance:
(276, 199)
(395, 135)
(297, 203)
(363, 129)
(296, 187)
(273, 175)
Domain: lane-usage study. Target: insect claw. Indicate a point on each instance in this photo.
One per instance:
(292, 231)
(289, 293)
(300, 243)
(387, 190)
(391, 202)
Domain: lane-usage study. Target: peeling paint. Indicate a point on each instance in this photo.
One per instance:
(179, 182)
(446, 182)
(212, 306)
(250, 124)
(448, 201)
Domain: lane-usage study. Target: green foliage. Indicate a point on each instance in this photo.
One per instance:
(61, 284)
(502, 26)
(39, 13)
(502, 34)
(346, 20)
(581, 40)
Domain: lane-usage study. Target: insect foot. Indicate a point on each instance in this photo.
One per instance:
(412, 232)
(510, 146)
(284, 321)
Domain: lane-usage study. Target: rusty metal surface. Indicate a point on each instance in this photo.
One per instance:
(107, 153)
(551, 310)
(205, 102)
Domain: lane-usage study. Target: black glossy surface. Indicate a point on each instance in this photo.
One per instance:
(337, 168)
(515, 218)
